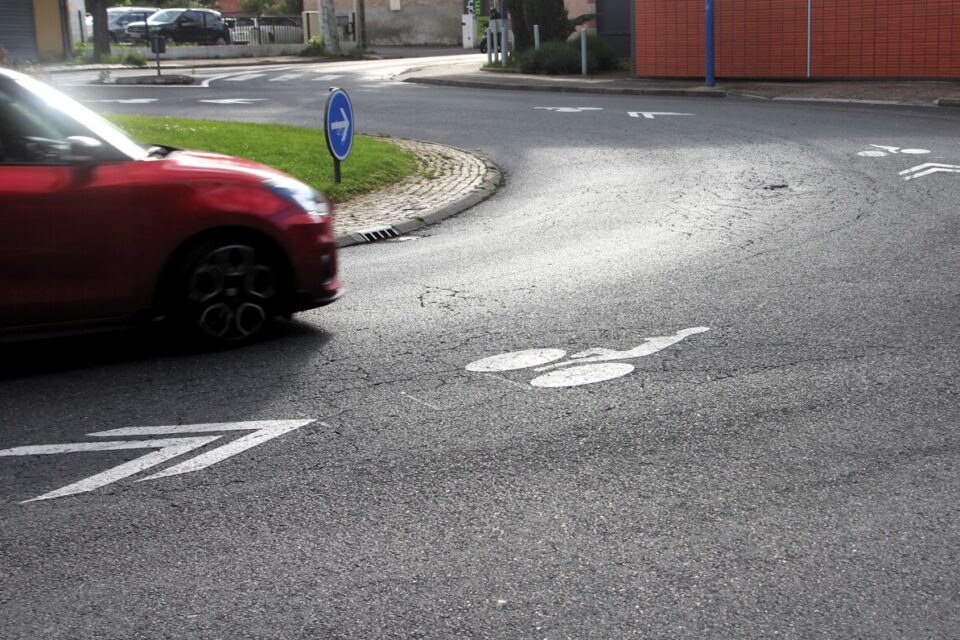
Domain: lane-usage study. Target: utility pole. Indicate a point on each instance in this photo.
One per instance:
(328, 26)
(361, 25)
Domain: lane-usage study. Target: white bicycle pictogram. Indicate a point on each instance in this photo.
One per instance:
(881, 151)
(584, 367)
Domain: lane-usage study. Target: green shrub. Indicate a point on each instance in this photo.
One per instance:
(135, 60)
(553, 58)
(315, 48)
(600, 55)
(563, 58)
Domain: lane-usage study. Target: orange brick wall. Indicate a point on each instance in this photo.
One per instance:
(768, 38)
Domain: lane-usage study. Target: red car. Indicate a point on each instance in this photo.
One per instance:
(97, 229)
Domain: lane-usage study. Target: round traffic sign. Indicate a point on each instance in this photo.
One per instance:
(338, 124)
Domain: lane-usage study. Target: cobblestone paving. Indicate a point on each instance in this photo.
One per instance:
(444, 176)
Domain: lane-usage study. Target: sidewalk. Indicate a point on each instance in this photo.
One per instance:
(926, 93)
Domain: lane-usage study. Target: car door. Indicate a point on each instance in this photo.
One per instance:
(68, 250)
(190, 27)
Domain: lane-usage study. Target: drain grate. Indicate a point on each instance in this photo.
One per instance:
(379, 233)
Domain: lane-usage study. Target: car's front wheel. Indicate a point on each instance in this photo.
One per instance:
(229, 291)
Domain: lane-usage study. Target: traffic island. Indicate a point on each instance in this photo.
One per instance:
(447, 182)
(152, 80)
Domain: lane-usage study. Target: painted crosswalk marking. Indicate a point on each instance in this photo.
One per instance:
(285, 77)
(166, 449)
(327, 78)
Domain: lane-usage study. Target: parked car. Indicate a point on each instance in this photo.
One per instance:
(265, 29)
(99, 229)
(118, 18)
(203, 26)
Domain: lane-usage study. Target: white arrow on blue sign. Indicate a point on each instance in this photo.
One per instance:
(339, 124)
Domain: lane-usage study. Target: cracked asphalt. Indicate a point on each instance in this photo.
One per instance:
(791, 472)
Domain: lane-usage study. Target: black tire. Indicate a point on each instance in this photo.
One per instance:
(229, 291)
(483, 45)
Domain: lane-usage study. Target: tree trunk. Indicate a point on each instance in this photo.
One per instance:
(101, 30)
(522, 32)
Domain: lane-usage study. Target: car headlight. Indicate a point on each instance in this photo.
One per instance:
(300, 194)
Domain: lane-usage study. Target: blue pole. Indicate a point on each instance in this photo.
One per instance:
(711, 81)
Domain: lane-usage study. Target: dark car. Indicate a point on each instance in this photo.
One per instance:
(202, 26)
(118, 18)
(99, 229)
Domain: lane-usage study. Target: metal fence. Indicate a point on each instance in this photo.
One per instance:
(251, 29)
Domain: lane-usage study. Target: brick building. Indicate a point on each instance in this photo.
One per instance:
(917, 39)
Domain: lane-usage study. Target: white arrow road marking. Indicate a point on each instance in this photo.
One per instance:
(569, 109)
(128, 100)
(343, 126)
(929, 168)
(235, 100)
(327, 78)
(265, 430)
(169, 448)
(649, 115)
(285, 77)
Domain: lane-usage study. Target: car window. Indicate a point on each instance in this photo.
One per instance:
(25, 136)
(169, 15)
(36, 120)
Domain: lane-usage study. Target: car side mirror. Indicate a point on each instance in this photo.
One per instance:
(85, 151)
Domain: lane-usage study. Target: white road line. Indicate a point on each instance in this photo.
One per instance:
(248, 76)
(327, 78)
(419, 401)
(285, 77)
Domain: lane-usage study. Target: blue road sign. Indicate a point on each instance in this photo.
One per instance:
(338, 124)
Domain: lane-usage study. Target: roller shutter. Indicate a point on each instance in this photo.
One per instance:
(18, 33)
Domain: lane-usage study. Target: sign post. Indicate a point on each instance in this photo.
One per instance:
(338, 127)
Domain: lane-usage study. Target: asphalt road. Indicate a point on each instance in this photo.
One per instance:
(789, 472)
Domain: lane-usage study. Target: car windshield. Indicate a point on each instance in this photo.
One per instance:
(61, 104)
(168, 15)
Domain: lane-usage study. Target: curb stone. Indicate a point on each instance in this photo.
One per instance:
(470, 84)
(670, 92)
(482, 189)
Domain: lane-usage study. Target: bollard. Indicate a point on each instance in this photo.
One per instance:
(709, 44)
(504, 45)
(583, 50)
(489, 46)
(536, 36)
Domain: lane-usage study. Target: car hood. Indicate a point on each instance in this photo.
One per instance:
(217, 164)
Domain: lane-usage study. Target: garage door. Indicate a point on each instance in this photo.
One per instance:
(17, 31)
